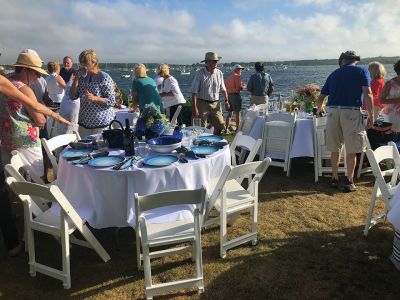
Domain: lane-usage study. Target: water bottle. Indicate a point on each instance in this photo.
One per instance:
(129, 146)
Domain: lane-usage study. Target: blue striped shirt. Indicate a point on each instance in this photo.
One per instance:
(208, 85)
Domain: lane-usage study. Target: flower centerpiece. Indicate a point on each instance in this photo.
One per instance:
(306, 97)
(151, 123)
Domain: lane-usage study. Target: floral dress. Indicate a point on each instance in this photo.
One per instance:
(392, 111)
(17, 129)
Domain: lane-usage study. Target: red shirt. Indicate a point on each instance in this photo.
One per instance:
(233, 84)
(376, 88)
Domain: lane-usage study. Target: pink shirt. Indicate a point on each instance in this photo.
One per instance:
(233, 84)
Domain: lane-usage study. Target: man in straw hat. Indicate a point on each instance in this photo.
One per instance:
(206, 87)
(345, 87)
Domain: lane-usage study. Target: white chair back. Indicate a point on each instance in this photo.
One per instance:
(247, 121)
(176, 115)
(246, 144)
(230, 198)
(167, 234)
(55, 144)
(383, 189)
(321, 154)
(277, 139)
(61, 226)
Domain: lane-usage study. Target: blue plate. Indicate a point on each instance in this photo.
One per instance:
(75, 153)
(160, 160)
(204, 150)
(105, 161)
(209, 138)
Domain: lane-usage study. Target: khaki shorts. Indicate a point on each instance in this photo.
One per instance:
(345, 126)
(211, 111)
(258, 100)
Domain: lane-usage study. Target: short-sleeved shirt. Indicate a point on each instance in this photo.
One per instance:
(233, 84)
(39, 87)
(94, 115)
(17, 129)
(66, 74)
(147, 92)
(344, 85)
(208, 85)
(259, 84)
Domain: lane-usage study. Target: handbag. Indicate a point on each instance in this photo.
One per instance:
(114, 136)
(380, 134)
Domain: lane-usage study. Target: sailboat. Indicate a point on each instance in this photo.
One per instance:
(184, 72)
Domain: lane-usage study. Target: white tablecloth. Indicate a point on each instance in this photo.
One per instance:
(122, 114)
(303, 143)
(105, 197)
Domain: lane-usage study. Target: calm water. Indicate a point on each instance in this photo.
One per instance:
(285, 80)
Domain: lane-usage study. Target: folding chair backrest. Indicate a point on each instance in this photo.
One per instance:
(176, 197)
(280, 117)
(176, 115)
(245, 142)
(52, 193)
(381, 154)
(54, 144)
(254, 170)
(19, 163)
(247, 121)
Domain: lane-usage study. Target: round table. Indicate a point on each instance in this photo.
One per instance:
(105, 197)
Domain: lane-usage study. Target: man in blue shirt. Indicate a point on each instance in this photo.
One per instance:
(67, 70)
(345, 87)
(260, 85)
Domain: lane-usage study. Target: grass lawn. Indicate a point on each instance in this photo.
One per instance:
(310, 246)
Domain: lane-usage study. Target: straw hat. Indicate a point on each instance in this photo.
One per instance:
(211, 56)
(31, 61)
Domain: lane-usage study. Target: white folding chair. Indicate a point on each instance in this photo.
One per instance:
(230, 198)
(168, 234)
(361, 168)
(382, 189)
(247, 121)
(322, 157)
(277, 140)
(245, 144)
(176, 115)
(55, 144)
(60, 226)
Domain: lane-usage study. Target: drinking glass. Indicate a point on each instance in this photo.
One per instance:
(143, 150)
(102, 144)
(187, 138)
(196, 122)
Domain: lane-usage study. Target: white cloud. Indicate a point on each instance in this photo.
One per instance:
(127, 31)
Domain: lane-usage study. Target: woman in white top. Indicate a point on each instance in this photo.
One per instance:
(69, 110)
(55, 83)
(170, 93)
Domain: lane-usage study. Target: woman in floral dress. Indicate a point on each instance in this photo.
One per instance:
(20, 116)
(390, 96)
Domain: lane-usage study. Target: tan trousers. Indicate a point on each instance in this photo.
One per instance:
(258, 100)
(211, 111)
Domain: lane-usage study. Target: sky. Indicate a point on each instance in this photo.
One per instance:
(181, 31)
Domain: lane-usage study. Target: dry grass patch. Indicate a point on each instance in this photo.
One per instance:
(310, 246)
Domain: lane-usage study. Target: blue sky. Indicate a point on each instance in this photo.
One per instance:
(181, 31)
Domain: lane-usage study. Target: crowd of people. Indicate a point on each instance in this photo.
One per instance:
(86, 97)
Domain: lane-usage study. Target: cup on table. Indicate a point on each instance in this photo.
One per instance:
(143, 150)
(102, 144)
(187, 138)
(196, 122)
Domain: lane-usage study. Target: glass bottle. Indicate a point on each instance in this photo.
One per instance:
(128, 140)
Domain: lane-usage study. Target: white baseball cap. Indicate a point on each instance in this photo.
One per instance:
(237, 66)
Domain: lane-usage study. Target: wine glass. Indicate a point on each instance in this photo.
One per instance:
(102, 144)
(196, 122)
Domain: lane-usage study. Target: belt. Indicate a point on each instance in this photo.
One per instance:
(234, 93)
(346, 107)
(209, 101)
